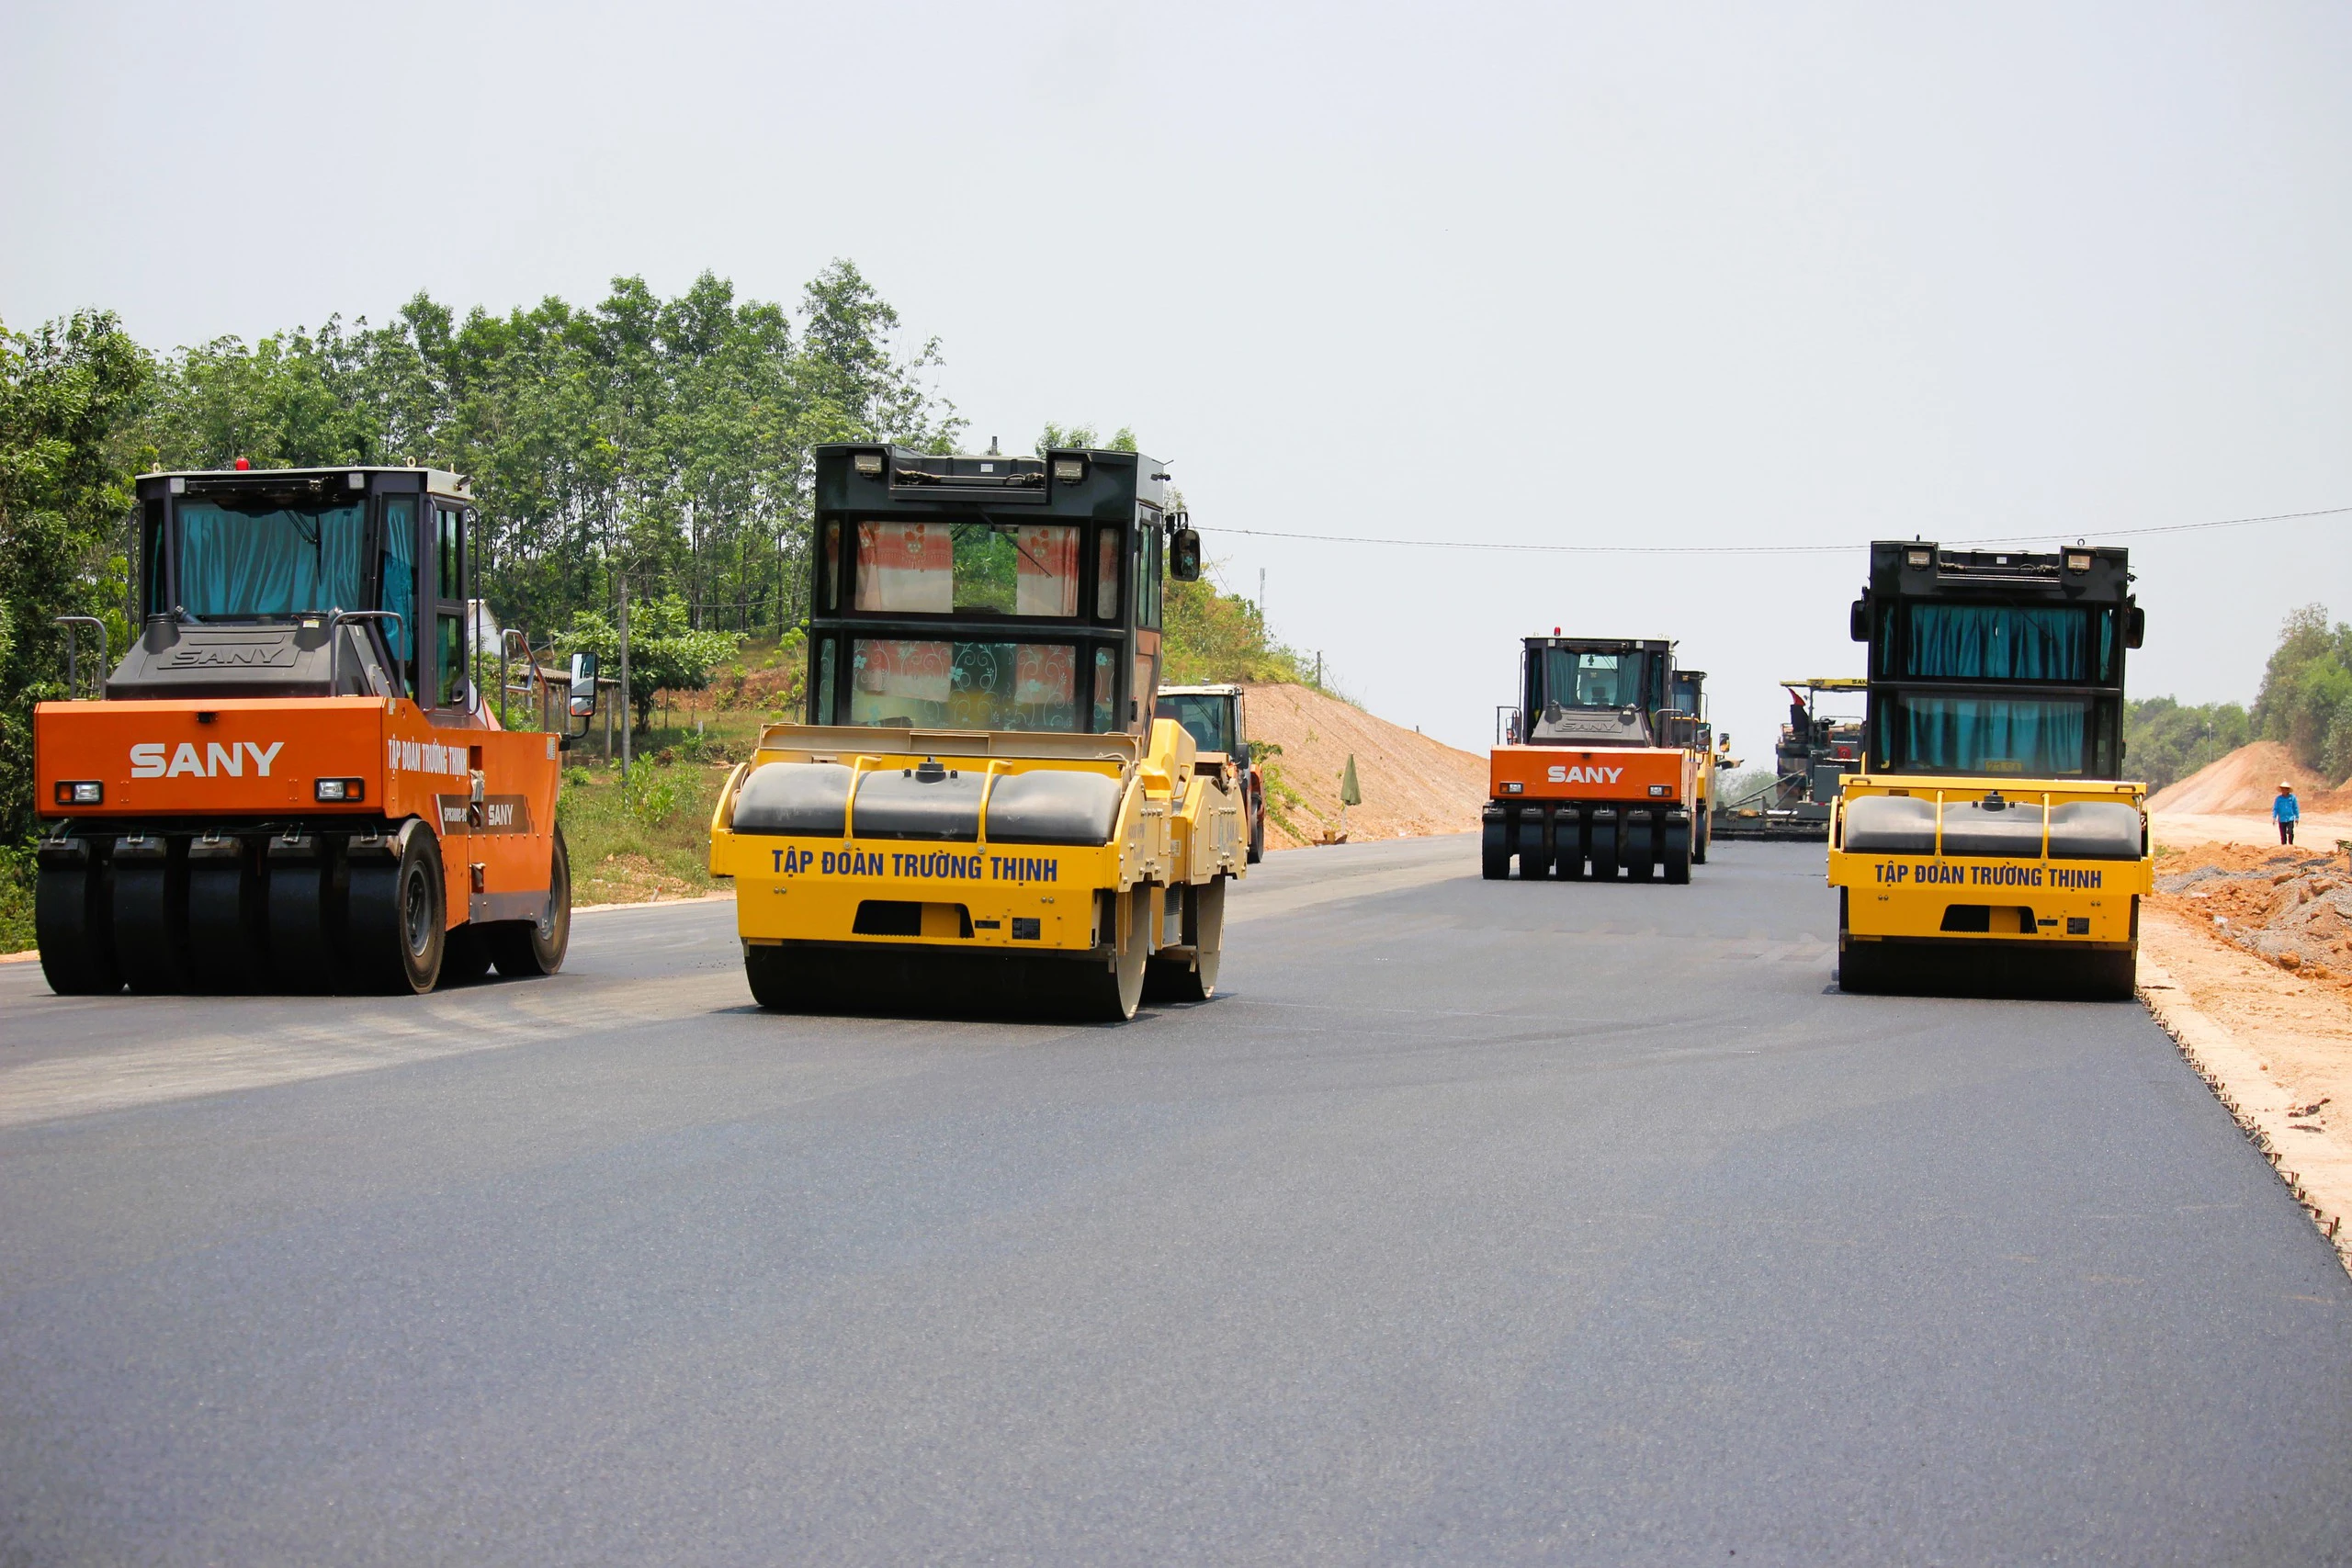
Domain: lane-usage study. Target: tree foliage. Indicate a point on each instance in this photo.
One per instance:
(69, 396)
(2164, 742)
(1065, 436)
(665, 651)
(668, 436)
(1215, 636)
(2306, 697)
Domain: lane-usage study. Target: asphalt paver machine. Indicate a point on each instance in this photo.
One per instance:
(983, 811)
(1814, 752)
(292, 780)
(1603, 773)
(1991, 842)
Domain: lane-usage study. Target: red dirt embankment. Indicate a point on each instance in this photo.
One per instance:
(1412, 785)
(2247, 780)
(2229, 802)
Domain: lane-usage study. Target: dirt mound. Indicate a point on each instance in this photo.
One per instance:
(2245, 780)
(1411, 785)
(2293, 906)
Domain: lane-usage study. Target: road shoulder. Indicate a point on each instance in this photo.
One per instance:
(2271, 1044)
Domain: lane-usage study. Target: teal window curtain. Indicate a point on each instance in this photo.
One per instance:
(235, 564)
(1592, 679)
(2001, 642)
(398, 563)
(1990, 734)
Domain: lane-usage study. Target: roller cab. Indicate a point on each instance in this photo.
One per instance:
(291, 780)
(1990, 843)
(982, 812)
(1599, 773)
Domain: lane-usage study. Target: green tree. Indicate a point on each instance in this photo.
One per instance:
(668, 436)
(2306, 697)
(665, 651)
(2164, 742)
(68, 394)
(1068, 436)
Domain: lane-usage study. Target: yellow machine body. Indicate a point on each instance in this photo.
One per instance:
(1063, 921)
(1934, 893)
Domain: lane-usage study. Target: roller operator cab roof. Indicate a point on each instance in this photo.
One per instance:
(990, 592)
(1992, 663)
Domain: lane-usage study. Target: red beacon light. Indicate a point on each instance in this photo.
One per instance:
(243, 465)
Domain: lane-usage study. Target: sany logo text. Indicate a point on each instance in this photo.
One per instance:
(1558, 774)
(216, 761)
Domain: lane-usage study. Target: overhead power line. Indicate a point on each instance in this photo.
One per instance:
(2103, 534)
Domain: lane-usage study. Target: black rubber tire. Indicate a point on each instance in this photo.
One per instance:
(1605, 850)
(1639, 830)
(151, 919)
(228, 917)
(465, 954)
(1191, 978)
(395, 929)
(1257, 834)
(1702, 834)
(1676, 860)
(1568, 848)
(305, 899)
(74, 924)
(1534, 860)
(532, 949)
(1494, 850)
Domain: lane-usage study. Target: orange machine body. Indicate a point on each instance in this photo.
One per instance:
(488, 794)
(1647, 774)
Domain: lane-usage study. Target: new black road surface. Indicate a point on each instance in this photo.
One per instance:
(1476, 1223)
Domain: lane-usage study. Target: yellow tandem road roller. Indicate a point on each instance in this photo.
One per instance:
(1990, 842)
(982, 813)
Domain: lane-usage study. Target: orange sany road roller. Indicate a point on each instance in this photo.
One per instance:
(982, 812)
(291, 780)
(1601, 772)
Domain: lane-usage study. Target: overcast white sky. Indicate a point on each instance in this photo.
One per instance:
(1547, 273)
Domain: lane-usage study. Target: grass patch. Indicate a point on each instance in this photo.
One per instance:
(16, 900)
(649, 838)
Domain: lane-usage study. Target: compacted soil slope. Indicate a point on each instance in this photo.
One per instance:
(2229, 802)
(1411, 785)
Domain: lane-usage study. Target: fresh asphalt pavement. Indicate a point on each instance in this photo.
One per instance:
(1471, 1222)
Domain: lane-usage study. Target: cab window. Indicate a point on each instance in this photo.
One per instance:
(397, 562)
(1147, 573)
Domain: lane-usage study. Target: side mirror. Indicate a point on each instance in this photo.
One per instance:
(1185, 556)
(2135, 627)
(581, 702)
(1857, 621)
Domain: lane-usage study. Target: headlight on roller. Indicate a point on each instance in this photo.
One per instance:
(342, 792)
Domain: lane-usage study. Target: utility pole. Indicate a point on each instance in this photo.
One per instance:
(628, 714)
(1261, 595)
(1319, 668)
